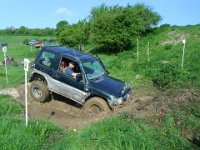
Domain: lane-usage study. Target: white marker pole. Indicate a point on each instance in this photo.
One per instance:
(26, 65)
(184, 41)
(4, 49)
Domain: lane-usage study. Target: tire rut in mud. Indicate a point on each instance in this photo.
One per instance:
(69, 115)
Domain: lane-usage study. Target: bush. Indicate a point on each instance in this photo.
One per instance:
(168, 47)
(25, 41)
(166, 76)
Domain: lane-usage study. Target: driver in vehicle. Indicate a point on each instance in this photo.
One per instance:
(70, 70)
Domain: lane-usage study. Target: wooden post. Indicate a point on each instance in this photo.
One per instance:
(148, 51)
(137, 50)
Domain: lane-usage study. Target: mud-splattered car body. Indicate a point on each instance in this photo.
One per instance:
(92, 78)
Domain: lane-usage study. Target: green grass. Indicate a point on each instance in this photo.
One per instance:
(130, 133)
(121, 132)
(15, 75)
(9, 107)
(14, 134)
(165, 51)
(15, 72)
(18, 40)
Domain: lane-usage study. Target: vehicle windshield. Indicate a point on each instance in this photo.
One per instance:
(93, 69)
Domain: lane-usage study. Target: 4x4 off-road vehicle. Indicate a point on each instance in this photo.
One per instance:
(92, 87)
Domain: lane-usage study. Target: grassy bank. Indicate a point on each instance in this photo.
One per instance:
(178, 130)
(14, 134)
(163, 70)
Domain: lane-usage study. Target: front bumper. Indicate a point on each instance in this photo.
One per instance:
(120, 100)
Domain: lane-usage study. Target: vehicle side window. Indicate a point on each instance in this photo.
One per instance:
(65, 64)
(46, 58)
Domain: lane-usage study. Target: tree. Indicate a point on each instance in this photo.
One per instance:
(73, 35)
(60, 26)
(22, 30)
(11, 30)
(82, 33)
(114, 27)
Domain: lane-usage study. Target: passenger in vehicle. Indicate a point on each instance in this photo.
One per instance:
(63, 66)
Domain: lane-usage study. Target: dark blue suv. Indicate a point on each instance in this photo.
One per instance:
(91, 87)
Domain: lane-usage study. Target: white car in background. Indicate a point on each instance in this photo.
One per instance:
(32, 42)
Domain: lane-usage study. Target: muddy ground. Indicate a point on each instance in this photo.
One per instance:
(69, 115)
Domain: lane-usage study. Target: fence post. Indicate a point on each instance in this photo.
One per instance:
(148, 51)
(184, 41)
(137, 50)
(4, 49)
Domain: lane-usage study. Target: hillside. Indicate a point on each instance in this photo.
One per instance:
(163, 69)
(163, 112)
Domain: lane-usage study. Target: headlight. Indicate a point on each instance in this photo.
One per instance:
(119, 101)
(116, 101)
(126, 86)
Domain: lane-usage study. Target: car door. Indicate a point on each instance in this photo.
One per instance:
(68, 86)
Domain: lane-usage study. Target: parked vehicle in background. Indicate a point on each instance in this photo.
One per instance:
(38, 44)
(92, 87)
(31, 43)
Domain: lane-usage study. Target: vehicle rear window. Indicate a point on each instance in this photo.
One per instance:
(46, 58)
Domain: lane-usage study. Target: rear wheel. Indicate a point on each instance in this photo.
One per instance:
(39, 91)
(96, 105)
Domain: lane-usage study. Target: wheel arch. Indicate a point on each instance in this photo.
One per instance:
(37, 76)
(95, 95)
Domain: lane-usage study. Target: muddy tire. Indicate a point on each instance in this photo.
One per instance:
(39, 91)
(95, 105)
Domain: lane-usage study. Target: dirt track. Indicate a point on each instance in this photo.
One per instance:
(69, 115)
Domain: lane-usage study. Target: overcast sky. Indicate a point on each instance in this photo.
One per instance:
(47, 13)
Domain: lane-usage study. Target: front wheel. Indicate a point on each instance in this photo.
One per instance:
(96, 105)
(39, 91)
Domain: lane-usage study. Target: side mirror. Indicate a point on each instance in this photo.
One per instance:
(79, 77)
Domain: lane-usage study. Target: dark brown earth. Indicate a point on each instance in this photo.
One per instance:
(69, 115)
